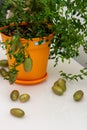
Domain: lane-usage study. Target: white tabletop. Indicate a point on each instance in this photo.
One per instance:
(45, 110)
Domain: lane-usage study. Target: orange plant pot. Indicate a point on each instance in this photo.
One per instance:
(39, 55)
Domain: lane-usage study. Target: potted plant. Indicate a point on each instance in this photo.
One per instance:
(64, 21)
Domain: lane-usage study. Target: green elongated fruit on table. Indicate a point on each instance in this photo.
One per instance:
(57, 90)
(28, 64)
(62, 83)
(4, 63)
(14, 95)
(24, 97)
(78, 95)
(17, 112)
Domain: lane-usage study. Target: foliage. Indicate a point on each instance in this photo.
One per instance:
(67, 19)
(76, 76)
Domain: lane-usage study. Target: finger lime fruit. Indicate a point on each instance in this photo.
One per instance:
(62, 83)
(24, 97)
(12, 77)
(15, 43)
(17, 112)
(14, 95)
(4, 63)
(78, 95)
(3, 72)
(57, 90)
(27, 64)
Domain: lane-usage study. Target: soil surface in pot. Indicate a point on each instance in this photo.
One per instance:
(27, 30)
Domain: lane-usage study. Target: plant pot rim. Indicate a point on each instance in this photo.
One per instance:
(35, 38)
